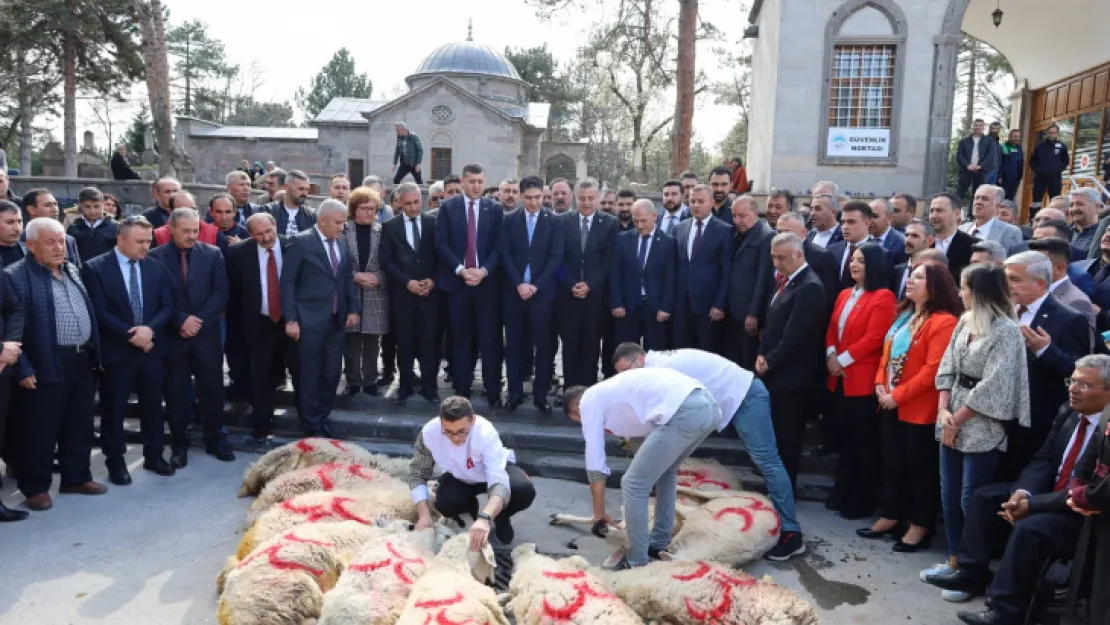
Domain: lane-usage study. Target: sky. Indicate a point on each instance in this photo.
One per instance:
(290, 41)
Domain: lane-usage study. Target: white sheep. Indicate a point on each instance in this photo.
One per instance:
(373, 588)
(283, 581)
(324, 477)
(452, 589)
(697, 592)
(309, 452)
(707, 474)
(730, 527)
(365, 505)
(546, 591)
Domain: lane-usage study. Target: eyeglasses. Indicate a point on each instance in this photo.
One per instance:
(456, 433)
(1079, 384)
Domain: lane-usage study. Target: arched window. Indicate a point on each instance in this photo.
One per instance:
(865, 43)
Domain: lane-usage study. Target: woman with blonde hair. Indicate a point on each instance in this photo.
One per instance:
(364, 237)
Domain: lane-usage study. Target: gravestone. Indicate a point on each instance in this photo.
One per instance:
(89, 163)
(53, 160)
(149, 156)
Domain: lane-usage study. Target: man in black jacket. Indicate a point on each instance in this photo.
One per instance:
(820, 260)
(751, 280)
(121, 169)
(1033, 510)
(1048, 161)
(162, 190)
(94, 232)
(976, 158)
(11, 331)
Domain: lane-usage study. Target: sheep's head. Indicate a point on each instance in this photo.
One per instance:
(483, 565)
(456, 554)
(433, 538)
(398, 526)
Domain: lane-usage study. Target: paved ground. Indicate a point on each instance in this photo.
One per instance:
(149, 554)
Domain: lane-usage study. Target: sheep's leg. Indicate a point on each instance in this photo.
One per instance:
(570, 519)
(503, 599)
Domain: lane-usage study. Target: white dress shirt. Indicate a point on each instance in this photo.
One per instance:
(263, 261)
(668, 218)
(726, 381)
(466, 219)
(480, 460)
(984, 230)
(408, 230)
(942, 244)
(845, 359)
(1026, 318)
(125, 268)
(822, 238)
(630, 404)
(92, 224)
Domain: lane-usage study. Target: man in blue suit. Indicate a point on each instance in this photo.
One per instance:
(893, 241)
(134, 303)
(531, 251)
(468, 234)
(855, 223)
(641, 286)
(705, 250)
(199, 283)
(318, 301)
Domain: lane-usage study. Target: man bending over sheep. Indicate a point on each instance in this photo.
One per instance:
(674, 413)
(474, 461)
(745, 403)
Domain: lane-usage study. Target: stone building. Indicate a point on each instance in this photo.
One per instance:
(466, 102)
(861, 91)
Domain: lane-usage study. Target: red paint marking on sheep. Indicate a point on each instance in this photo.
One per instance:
(338, 445)
(719, 612)
(360, 471)
(304, 446)
(337, 507)
(324, 474)
(272, 555)
(398, 566)
(759, 506)
(440, 603)
(564, 575)
(743, 513)
(441, 618)
(583, 590)
(701, 478)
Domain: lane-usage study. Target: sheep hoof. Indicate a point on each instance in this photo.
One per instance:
(503, 599)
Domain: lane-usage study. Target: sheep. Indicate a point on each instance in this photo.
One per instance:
(365, 505)
(729, 527)
(708, 475)
(283, 581)
(452, 589)
(546, 591)
(309, 452)
(373, 588)
(324, 477)
(696, 592)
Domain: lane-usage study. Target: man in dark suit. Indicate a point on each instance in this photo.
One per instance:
(318, 301)
(893, 241)
(821, 261)
(791, 361)
(641, 288)
(532, 249)
(1098, 269)
(408, 254)
(55, 369)
(1033, 510)
(468, 238)
(290, 212)
(41, 203)
(720, 181)
(976, 158)
(825, 216)
(945, 210)
(855, 223)
(11, 335)
(134, 305)
(589, 237)
(751, 279)
(919, 235)
(254, 280)
(199, 282)
(1056, 337)
(673, 211)
(705, 249)
(162, 190)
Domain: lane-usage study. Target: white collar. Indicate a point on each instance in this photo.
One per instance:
(797, 271)
(820, 231)
(882, 237)
(1035, 306)
(323, 239)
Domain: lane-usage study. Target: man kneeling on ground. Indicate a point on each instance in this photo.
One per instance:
(746, 404)
(674, 413)
(474, 461)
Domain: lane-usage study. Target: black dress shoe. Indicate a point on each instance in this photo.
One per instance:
(385, 380)
(432, 397)
(179, 459)
(895, 530)
(495, 403)
(961, 580)
(986, 617)
(402, 397)
(159, 466)
(7, 515)
(221, 451)
(351, 391)
(905, 547)
(543, 406)
(328, 429)
(119, 475)
(261, 433)
(371, 390)
(514, 402)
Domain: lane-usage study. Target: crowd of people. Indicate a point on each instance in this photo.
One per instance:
(949, 361)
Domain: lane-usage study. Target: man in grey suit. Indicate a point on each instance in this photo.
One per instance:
(985, 224)
(318, 301)
(1059, 252)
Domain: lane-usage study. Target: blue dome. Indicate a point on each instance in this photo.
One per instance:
(469, 58)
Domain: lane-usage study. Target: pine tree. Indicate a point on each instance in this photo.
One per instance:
(337, 79)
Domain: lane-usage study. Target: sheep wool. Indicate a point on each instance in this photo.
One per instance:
(325, 477)
(733, 528)
(364, 505)
(545, 592)
(707, 474)
(307, 452)
(694, 593)
(452, 589)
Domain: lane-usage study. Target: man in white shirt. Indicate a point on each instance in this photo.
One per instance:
(746, 404)
(985, 224)
(673, 413)
(826, 221)
(474, 461)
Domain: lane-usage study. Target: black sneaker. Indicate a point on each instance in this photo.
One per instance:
(503, 530)
(790, 545)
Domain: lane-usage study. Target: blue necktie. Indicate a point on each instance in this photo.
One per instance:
(641, 256)
(531, 231)
(134, 294)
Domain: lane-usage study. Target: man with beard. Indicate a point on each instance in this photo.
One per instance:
(290, 213)
(508, 192)
(274, 183)
(944, 214)
(903, 210)
(560, 196)
(779, 202)
(608, 202)
(919, 236)
(547, 197)
(673, 210)
(720, 180)
(705, 250)
(625, 199)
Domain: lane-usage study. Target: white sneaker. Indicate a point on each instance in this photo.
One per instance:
(955, 596)
(937, 569)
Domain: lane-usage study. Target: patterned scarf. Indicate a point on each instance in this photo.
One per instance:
(900, 336)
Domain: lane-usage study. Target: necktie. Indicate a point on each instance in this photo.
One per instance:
(780, 284)
(697, 240)
(1073, 456)
(641, 256)
(585, 232)
(975, 233)
(531, 232)
(135, 294)
(845, 271)
(415, 234)
(273, 295)
(184, 256)
(670, 224)
(471, 238)
(335, 271)
(1021, 310)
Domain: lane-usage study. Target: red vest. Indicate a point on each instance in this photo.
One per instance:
(208, 234)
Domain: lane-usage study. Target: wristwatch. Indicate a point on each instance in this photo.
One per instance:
(485, 516)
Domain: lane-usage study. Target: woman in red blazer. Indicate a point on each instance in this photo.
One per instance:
(906, 387)
(854, 344)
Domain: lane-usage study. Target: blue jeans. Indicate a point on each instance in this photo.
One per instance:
(960, 475)
(752, 422)
(656, 464)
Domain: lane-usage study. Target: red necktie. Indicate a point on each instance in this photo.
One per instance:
(184, 265)
(1073, 456)
(273, 296)
(781, 283)
(471, 238)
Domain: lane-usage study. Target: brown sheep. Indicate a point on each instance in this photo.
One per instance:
(324, 477)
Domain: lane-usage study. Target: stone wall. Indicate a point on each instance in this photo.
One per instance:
(213, 157)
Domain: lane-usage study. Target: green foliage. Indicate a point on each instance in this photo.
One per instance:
(547, 83)
(135, 135)
(338, 79)
(200, 60)
(735, 143)
(248, 112)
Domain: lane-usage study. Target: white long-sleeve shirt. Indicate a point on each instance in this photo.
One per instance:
(630, 404)
(726, 381)
(481, 459)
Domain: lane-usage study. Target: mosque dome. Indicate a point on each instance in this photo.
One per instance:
(467, 57)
